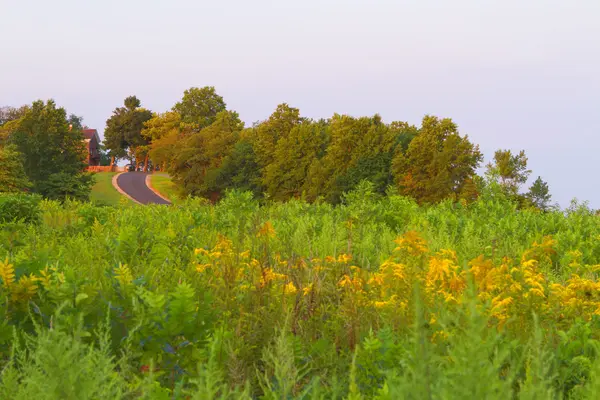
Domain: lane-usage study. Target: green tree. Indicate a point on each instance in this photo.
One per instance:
(197, 166)
(539, 195)
(199, 107)
(438, 164)
(122, 136)
(49, 147)
(372, 158)
(269, 132)
(509, 170)
(164, 132)
(8, 114)
(285, 177)
(345, 134)
(240, 169)
(358, 149)
(12, 173)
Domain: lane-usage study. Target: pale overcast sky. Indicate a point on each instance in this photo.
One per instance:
(518, 74)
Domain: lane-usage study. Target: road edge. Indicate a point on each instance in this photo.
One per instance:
(156, 192)
(116, 186)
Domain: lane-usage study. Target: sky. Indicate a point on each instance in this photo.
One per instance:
(513, 74)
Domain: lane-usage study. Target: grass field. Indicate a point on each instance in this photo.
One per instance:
(103, 191)
(163, 184)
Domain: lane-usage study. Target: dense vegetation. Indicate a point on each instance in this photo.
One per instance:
(207, 150)
(378, 297)
(42, 149)
(345, 258)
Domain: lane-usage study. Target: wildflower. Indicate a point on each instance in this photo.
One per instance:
(344, 258)
(345, 281)
(412, 242)
(25, 289)
(266, 230)
(7, 273)
(202, 267)
(245, 254)
(290, 288)
(306, 290)
(200, 252)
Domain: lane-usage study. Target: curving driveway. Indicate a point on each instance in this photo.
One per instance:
(134, 185)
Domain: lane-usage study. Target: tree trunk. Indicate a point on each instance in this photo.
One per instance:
(146, 163)
(112, 163)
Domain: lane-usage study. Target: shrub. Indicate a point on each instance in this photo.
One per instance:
(63, 186)
(19, 206)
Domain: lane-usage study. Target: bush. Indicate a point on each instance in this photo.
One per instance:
(63, 186)
(20, 207)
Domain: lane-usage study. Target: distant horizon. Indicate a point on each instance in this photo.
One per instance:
(510, 75)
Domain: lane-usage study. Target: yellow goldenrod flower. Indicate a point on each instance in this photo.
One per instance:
(290, 288)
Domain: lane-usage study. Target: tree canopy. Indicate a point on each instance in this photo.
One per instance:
(12, 173)
(207, 150)
(123, 132)
(439, 163)
(199, 107)
(51, 150)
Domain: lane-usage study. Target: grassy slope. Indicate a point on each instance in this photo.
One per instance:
(163, 184)
(103, 191)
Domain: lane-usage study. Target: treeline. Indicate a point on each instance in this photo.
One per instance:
(207, 150)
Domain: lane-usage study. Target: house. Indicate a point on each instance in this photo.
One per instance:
(92, 141)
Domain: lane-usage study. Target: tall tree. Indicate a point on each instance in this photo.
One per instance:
(285, 176)
(539, 195)
(509, 170)
(12, 173)
(122, 136)
(439, 163)
(8, 114)
(358, 149)
(199, 107)
(269, 132)
(52, 152)
(164, 132)
(372, 158)
(240, 169)
(197, 166)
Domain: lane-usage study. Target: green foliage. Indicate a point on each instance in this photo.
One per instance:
(8, 114)
(62, 186)
(539, 195)
(122, 308)
(122, 135)
(12, 173)
(510, 170)
(438, 164)
(199, 107)
(286, 176)
(19, 207)
(240, 169)
(197, 168)
(57, 364)
(163, 131)
(267, 134)
(52, 152)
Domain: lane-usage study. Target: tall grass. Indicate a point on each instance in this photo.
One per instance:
(299, 300)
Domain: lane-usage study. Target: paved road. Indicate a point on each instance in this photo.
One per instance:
(134, 184)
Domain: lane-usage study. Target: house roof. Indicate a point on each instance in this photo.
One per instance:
(88, 134)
